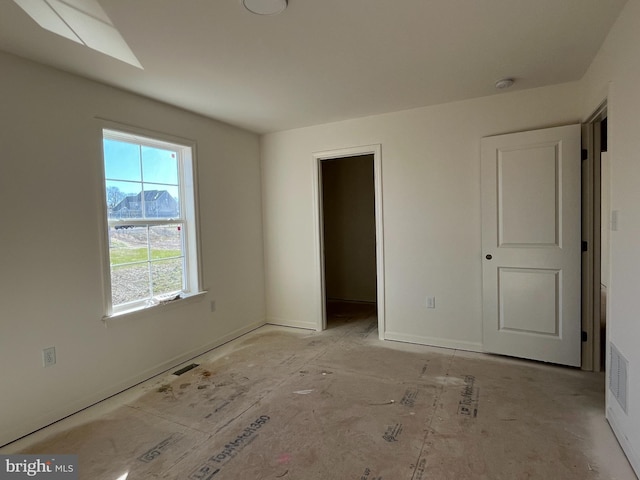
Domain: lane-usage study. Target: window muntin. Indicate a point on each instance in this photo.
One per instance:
(150, 205)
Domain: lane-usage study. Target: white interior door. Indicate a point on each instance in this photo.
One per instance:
(531, 244)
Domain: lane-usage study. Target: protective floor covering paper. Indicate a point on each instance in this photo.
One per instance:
(292, 404)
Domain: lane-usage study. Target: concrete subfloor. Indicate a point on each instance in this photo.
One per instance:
(282, 403)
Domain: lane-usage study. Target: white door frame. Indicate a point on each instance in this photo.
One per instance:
(318, 157)
(592, 354)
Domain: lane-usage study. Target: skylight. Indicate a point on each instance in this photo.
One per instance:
(84, 22)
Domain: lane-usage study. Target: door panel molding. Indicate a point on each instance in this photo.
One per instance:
(544, 304)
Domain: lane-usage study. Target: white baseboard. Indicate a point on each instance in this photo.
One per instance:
(627, 447)
(434, 342)
(289, 323)
(41, 421)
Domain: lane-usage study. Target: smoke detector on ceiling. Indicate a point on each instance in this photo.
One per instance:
(504, 83)
(265, 7)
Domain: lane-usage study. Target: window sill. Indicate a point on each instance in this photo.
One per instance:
(148, 308)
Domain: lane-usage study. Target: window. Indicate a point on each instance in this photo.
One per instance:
(150, 210)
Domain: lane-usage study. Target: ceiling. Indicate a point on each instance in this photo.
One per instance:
(326, 60)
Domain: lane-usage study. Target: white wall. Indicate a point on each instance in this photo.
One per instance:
(50, 246)
(615, 73)
(348, 208)
(431, 203)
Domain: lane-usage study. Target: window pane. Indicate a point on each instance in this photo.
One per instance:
(129, 283)
(121, 161)
(161, 201)
(159, 166)
(166, 276)
(123, 199)
(128, 244)
(165, 241)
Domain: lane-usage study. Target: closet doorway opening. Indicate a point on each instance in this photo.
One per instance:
(350, 250)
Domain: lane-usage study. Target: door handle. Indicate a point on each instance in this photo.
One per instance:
(488, 257)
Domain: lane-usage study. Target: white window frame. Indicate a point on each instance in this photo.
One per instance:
(186, 154)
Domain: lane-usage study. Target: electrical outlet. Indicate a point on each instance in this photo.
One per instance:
(431, 302)
(49, 356)
(213, 305)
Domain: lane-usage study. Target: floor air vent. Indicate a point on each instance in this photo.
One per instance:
(618, 377)
(185, 369)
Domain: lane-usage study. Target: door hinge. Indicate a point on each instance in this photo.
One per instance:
(584, 336)
(584, 154)
(585, 246)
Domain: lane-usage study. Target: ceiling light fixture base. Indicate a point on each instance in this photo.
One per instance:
(265, 7)
(504, 83)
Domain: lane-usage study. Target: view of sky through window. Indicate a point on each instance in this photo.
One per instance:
(131, 169)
